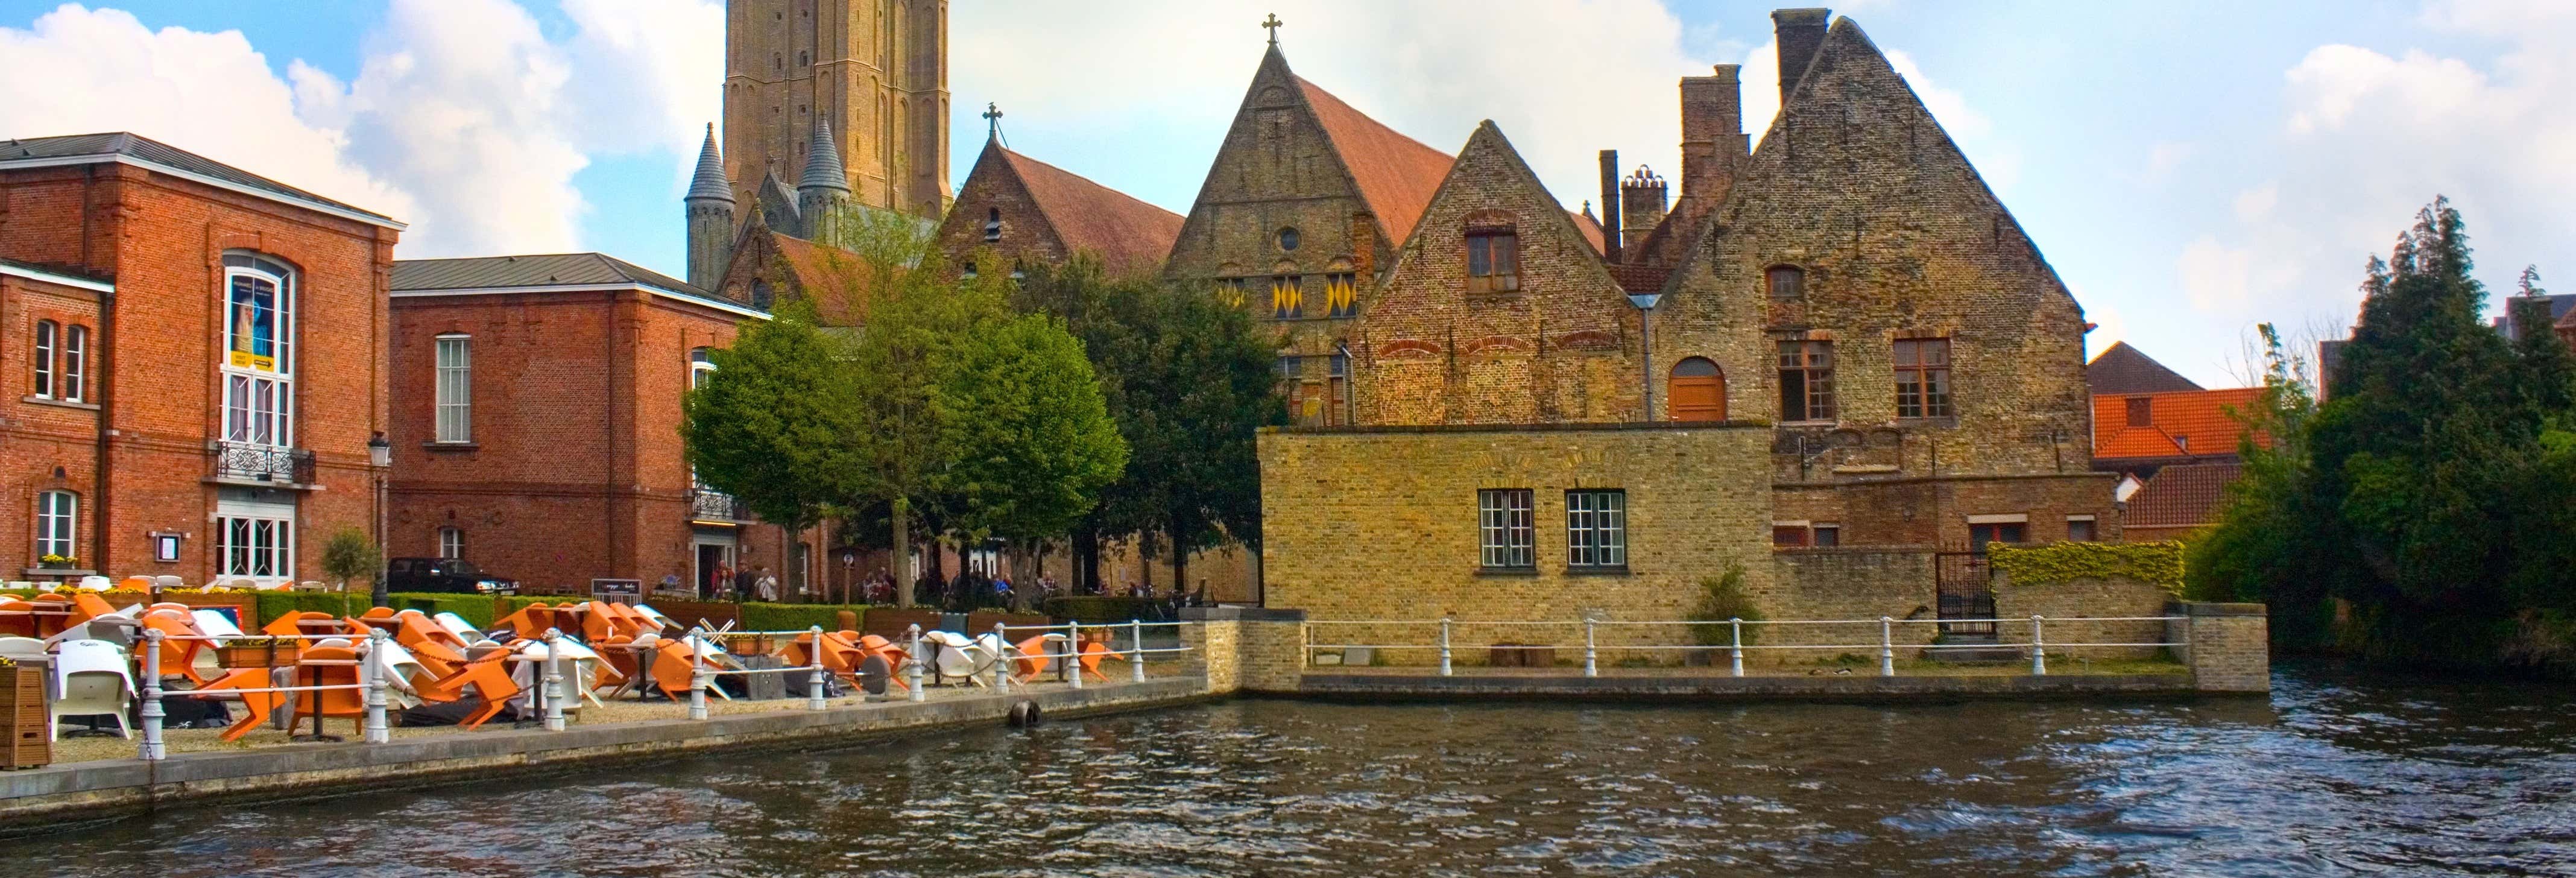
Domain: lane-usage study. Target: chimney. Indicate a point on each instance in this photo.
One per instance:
(1801, 32)
(1610, 205)
(1713, 141)
(1641, 200)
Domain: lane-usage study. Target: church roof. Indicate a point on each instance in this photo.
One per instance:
(710, 182)
(1591, 228)
(820, 268)
(823, 161)
(1396, 174)
(114, 146)
(2121, 369)
(1127, 233)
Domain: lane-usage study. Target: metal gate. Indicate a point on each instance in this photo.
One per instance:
(1965, 585)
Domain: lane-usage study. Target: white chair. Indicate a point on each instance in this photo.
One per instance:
(457, 625)
(216, 625)
(955, 655)
(93, 680)
(21, 647)
(167, 582)
(307, 585)
(404, 675)
(95, 582)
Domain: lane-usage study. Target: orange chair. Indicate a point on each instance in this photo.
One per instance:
(1092, 653)
(1032, 656)
(530, 622)
(52, 612)
(350, 704)
(291, 624)
(87, 606)
(618, 656)
(489, 677)
(841, 654)
(178, 657)
(17, 618)
(672, 667)
(415, 633)
(255, 705)
(135, 583)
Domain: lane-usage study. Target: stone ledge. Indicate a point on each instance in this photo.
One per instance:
(1381, 687)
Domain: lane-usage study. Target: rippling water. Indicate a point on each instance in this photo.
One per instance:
(2335, 775)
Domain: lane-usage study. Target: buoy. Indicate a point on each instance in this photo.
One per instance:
(1023, 714)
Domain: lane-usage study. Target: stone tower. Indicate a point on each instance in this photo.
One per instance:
(711, 217)
(874, 71)
(1641, 207)
(824, 188)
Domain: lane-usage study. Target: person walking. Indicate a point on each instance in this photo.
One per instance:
(741, 585)
(717, 580)
(765, 586)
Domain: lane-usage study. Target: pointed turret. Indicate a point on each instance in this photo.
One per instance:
(710, 210)
(824, 188)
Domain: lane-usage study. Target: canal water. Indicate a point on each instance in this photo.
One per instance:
(2336, 774)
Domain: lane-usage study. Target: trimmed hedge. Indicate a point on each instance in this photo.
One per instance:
(1103, 609)
(2159, 563)
(273, 604)
(475, 609)
(798, 617)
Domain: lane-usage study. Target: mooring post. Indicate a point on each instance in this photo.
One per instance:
(1735, 644)
(814, 679)
(697, 675)
(1886, 647)
(371, 674)
(2038, 653)
(152, 748)
(1444, 646)
(912, 663)
(1136, 629)
(552, 688)
(1001, 657)
(1072, 658)
(1591, 652)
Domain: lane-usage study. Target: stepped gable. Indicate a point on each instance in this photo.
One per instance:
(1128, 234)
(2121, 369)
(1396, 174)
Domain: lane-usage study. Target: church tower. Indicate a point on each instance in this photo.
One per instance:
(710, 209)
(824, 189)
(874, 72)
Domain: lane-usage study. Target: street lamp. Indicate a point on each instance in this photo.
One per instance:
(380, 455)
(1645, 303)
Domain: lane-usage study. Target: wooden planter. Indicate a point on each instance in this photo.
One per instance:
(23, 742)
(262, 655)
(750, 644)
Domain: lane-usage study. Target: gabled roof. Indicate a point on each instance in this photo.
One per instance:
(1129, 235)
(76, 149)
(2121, 369)
(823, 267)
(1396, 174)
(1488, 145)
(2182, 495)
(539, 271)
(2192, 423)
(1591, 229)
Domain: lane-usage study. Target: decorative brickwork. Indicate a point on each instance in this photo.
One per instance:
(877, 73)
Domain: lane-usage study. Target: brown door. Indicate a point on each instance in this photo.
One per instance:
(1697, 391)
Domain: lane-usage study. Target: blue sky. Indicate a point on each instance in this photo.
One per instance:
(2189, 168)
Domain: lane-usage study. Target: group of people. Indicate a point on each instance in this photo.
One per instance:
(971, 589)
(748, 584)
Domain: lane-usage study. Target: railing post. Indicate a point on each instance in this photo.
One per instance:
(2038, 653)
(697, 675)
(1591, 652)
(552, 688)
(372, 673)
(911, 663)
(1735, 644)
(1444, 646)
(1886, 647)
(1072, 658)
(1001, 656)
(814, 678)
(152, 748)
(1136, 668)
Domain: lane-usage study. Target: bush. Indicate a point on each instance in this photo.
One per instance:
(1722, 598)
(476, 610)
(273, 604)
(798, 617)
(1103, 609)
(2159, 563)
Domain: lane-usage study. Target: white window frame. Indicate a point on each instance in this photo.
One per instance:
(1505, 524)
(1596, 528)
(451, 543)
(255, 546)
(57, 524)
(48, 338)
(453, 361)
(75, 367)
(259, 399)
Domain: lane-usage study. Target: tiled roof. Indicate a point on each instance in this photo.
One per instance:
(1129, 235)
(825, 272)
(539, 270)
(2124, 369)
(141, 148)
(1591, 229)
(2182, 424)
(50, 271)
(1396, 174)
(2181, 495)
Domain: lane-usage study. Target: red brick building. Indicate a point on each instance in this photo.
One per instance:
(194, 363)
(536, 423)
(2173, 443)
(1027, 210)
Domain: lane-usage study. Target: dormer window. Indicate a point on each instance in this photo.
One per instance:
(992, 224)
(1786, 281)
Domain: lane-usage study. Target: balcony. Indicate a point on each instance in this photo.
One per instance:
(713, 506)
(249, 463)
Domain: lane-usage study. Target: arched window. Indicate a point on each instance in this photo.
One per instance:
(993, 224)
(45, 342)
(1697, 391)
(57, 520)
(1785, 281)
(76, 363)
(258, 342)
(1287, 292)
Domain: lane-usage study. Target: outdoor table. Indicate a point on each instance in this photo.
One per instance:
(50, 622)
(313, 677)
(641, 682)
(537, 687)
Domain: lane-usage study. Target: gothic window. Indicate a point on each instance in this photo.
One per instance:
(1786, 281)
(1287, 297)
(993, 224)
(1923, 378)
(1231, 291)
(1697, 391)
(1596, 528)
(1505, 530)
(1806, 381)
(803, 59)
(762, 297)
(1493, 260)
(1341, 295)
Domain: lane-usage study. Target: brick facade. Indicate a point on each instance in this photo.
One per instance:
(877, 73)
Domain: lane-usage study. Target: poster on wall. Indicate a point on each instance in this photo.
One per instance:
(252, 342)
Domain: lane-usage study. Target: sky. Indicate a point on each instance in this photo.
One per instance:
(2189, 168)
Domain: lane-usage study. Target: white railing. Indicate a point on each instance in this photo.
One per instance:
(1443, 630)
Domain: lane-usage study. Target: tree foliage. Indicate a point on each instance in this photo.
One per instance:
(778, 423)
(350, 555)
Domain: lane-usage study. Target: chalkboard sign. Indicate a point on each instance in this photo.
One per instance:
(624, 591)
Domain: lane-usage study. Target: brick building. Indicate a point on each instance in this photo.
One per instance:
(194, 363)
(536, 423)
(1025, 210)
(870, 78)
(2172, 443)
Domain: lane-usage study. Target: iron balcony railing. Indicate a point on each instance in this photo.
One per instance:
(708, 505)
(262, 463)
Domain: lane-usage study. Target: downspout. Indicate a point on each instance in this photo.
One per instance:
(104, 379)
(608, 418)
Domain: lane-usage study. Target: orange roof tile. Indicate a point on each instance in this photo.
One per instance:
(1397, 175)
(833, 279)
(1591, 229)
(2180, 423)
(2181, 495)
(1129, 235)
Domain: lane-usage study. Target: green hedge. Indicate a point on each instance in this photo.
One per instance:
(475, 609)
(1104, 609)
(273, 604)
(798, 617)
(2159, 563)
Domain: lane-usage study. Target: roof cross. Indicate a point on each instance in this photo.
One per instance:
(992, 120)
(1272, 25)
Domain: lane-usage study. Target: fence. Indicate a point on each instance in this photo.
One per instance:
(1440, 639)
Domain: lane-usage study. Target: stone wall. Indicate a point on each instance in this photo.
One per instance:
(1247, 649)
(2058, 603)
(2228, 646)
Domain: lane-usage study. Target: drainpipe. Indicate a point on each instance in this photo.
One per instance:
(104, 379)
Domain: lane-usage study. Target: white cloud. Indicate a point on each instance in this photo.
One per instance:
(2164, 158)
(463, 119)
(2253, 205)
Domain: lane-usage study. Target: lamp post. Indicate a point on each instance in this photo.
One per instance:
(380, 455)
(1645, 303)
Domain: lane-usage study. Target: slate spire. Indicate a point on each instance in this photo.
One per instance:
(710, 181)
(823, 162)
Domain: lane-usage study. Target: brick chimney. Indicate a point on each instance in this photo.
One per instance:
(1641, 200)
(1610, 205)
(1801, 32)
(1713, 141)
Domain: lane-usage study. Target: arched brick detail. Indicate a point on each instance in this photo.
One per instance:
(1587, 340)
(1408, 347)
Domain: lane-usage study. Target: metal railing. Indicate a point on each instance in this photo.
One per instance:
(1443, 638)
(711, 505)
(251, 461)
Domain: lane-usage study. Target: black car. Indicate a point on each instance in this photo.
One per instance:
(436, 575)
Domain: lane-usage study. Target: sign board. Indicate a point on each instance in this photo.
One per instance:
(624, 591)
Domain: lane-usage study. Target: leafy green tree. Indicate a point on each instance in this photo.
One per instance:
(778, 424)
(2265, 530)
(1029, 439)
(350, 555)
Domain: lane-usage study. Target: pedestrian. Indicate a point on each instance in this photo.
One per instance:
(716, 582)
(765, 586)
(742, 583)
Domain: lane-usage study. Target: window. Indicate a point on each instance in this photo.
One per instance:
(2079, 528)
(701, 365)
(1337, 389)
(1341, 295)
(2141, 411)
(45, 342)
(256, 547)
(1503, 515)
(1786, 281)
(1596, 528)
(75, 363)
(258, 364)
(1789, 533)
(1288, 239)
(1979, 534)
(1697, 391)
(1827, 534)
(1923, 378)
(993, 224)
(455, 388)
(1232, 291)
(451, 543)
(1493, 261)
(1287, 297)
(1806, 381)
(57, 520)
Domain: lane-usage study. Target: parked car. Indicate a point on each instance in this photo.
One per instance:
(447, 575)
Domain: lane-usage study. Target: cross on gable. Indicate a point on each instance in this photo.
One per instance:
(1272, 25)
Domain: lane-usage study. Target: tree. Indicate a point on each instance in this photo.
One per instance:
(2264, 529)
(1029, 439)
(350, 555)
(778, 423)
